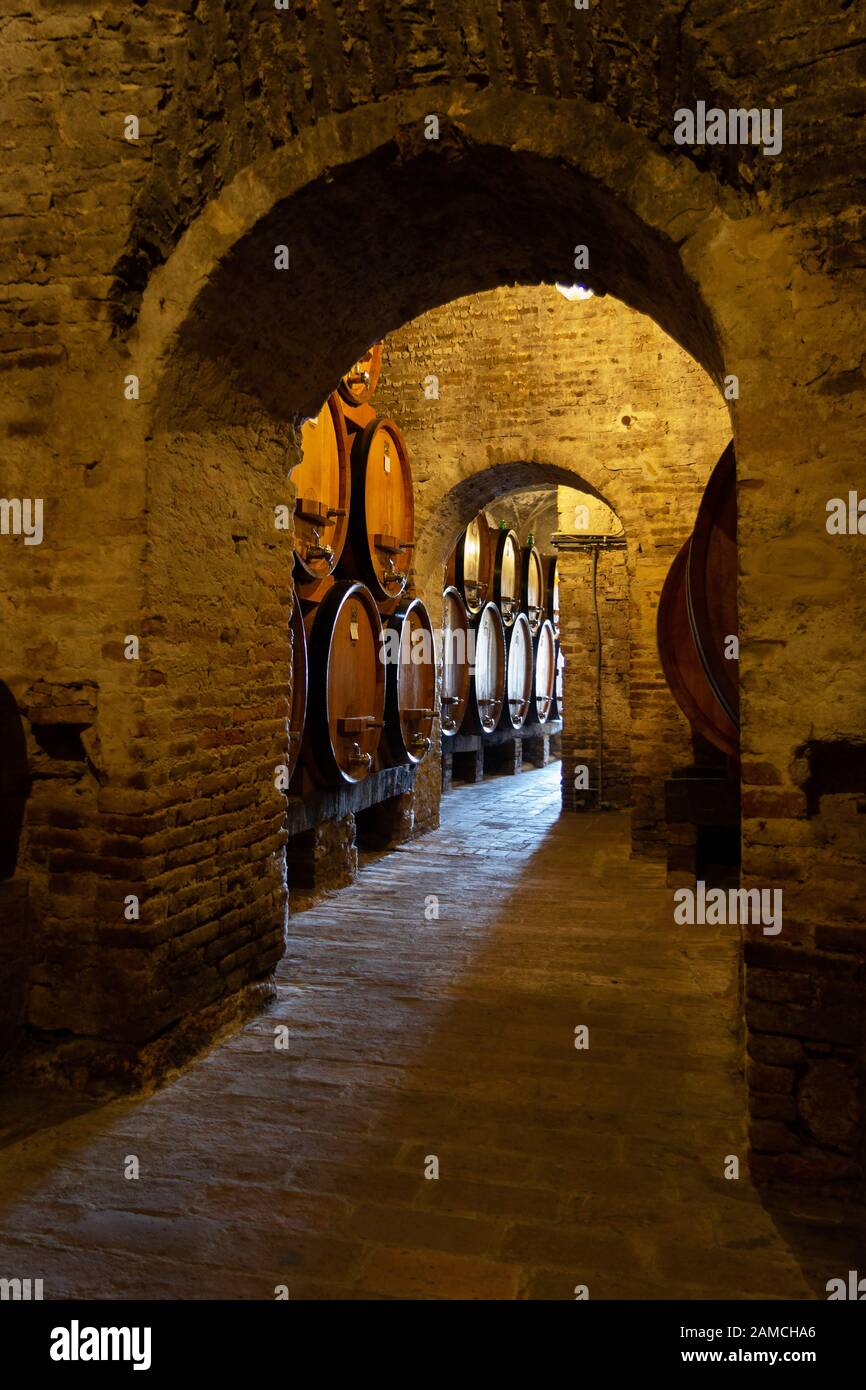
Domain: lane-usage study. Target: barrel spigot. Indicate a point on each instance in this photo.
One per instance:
(358, 758)
(392, 575)
(317, 551)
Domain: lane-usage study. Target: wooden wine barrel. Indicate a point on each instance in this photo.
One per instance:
(519, 671)
(551, 591)
(346, 700)
(711, 583)
(450, 574)
(323, 483)
(544, 677)
(682, 666)
(382, 523)
(410, 683)
(298, 711)
(455, 661)
(487, 683)
(359, 383)
(473, 555)
(532, 588)
(557, 704)
(506, 575)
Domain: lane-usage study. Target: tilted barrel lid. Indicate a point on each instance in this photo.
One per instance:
(507, 574)
(544, 676)
(382, 523)
(518, 674)
(532, 587)
(455, 661)
(473, 561)
(557, 704)
(346, 694)
(323, 486)
(487, 678)
(410, 683)
(552, 591)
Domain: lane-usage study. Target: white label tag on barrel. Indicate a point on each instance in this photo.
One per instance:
(387, 457)
(354, 626)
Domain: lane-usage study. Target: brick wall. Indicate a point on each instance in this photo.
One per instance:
(157, 258)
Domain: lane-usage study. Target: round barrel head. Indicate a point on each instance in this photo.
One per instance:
(410, 705)
(487, 657)
(382, 531)
(455, 662)
(473, 564)
(532, 588)
(519, 674)
(346, 700)
(322, 483)
(544, 676)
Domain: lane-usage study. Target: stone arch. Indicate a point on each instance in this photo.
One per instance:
(229, 360)
(231, 357)
(487, 204)
(474, 492)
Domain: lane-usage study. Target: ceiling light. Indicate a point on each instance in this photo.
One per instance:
(574, 291)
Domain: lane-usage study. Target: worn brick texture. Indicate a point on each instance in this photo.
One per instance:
(156, 258)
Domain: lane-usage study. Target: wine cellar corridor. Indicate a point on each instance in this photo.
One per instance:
(432, 685)
(452, 1038)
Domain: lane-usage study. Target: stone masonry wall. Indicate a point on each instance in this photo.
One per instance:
(155, 257)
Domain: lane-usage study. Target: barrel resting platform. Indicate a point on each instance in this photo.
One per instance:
(327, 826)
(469, 757)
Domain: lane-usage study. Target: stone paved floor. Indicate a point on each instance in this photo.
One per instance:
(452, 1038)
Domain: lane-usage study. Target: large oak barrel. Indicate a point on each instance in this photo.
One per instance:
(532, 588)
(506, 575)
(551, 589)
(359, 383)
(410, 683)
(346, 700)
(519, 670)
(298, 711)
(382, 523)
(450, 573)
(711, 583)
(557, 704)
(487, 684)
(455, 660)
(323, 483)
(682, 666)
(544, 677)
(473, 557)
(698, 613)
